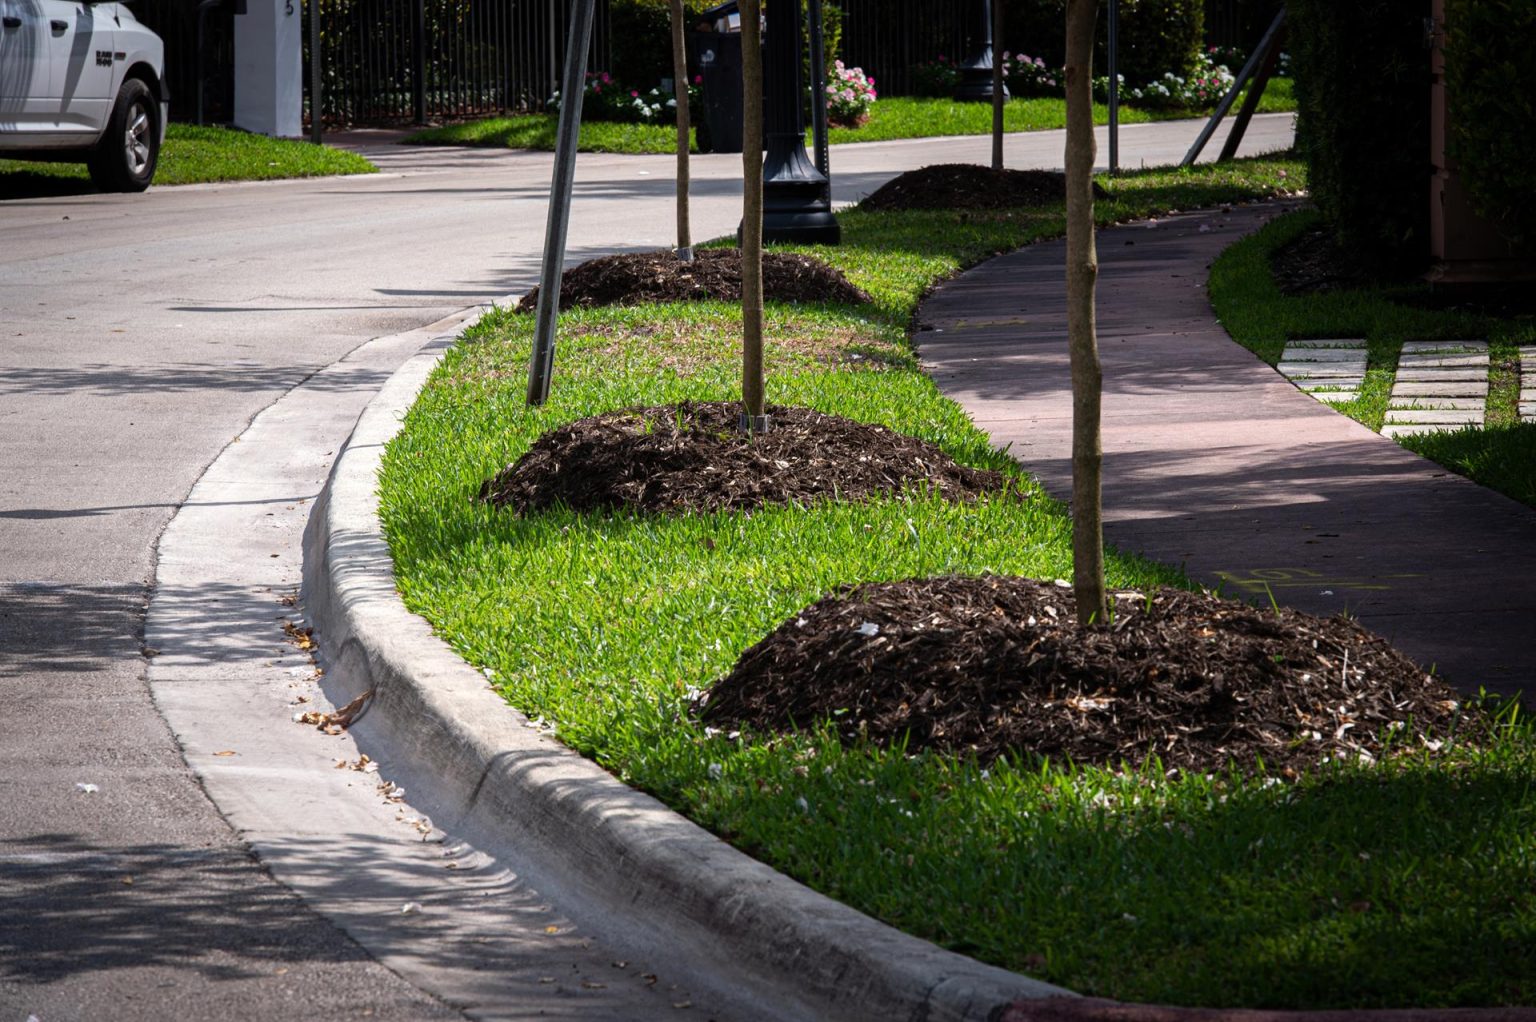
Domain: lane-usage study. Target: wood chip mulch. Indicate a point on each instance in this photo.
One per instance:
(694, 457)
(633, 278)
(997, 665)
(970, 186)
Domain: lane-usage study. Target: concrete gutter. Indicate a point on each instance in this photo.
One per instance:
(487, 775)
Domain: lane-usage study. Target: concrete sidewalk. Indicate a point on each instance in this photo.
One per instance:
(1214, 461)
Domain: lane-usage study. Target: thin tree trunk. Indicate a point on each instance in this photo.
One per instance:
(680, 94)
(997, 85)
(752, 212)
(1082, 339)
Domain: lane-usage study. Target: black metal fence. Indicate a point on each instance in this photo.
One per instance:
(177, 22)
(1238, 23)
(401, 61)
(887, 37)
(388, 61)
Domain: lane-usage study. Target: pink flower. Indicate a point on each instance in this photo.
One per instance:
(698, 79)
(633, 94)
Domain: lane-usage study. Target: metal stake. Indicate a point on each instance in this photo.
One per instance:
(1243, 76)
(1114, 87)
(572, 86)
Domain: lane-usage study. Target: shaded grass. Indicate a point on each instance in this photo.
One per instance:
(1501, 457)
(1404, 883)
(198, 155)
(538, 131)
(1259, 317)
(893, 118)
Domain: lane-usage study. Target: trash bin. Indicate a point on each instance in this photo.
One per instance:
(718, 56)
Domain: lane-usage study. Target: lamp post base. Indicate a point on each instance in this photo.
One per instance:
(796, 209)
(976, 82)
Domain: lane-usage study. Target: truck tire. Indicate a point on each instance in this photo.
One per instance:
(124, 160)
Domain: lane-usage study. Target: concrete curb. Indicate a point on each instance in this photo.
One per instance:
(486, 774)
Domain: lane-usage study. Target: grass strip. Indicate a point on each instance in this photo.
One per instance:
(1262, 319)
(1404, 883)
(893, 118)
(198, 155)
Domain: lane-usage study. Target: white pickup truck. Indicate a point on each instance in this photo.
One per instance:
(82, 81)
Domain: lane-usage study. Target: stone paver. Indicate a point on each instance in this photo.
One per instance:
(1439, 385)
(1445, 388)
(1528, 382)
(1330, 370)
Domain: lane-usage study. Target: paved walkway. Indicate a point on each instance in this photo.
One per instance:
(1213, 460)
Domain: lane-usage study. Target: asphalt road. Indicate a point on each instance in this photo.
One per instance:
(141, 336)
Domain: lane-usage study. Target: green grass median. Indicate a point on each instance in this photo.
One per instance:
(1406, 882)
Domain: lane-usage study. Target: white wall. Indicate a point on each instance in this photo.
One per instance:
(269, 68)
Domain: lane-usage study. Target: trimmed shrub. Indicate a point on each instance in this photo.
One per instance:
(1362, 96)
(640, 37)
(1157, 37)
(1490, 78)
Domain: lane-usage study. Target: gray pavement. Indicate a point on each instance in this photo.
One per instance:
(1214, 461)
(144, 334)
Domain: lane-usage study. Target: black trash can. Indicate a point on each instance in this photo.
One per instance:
(720, 92)
(717, 54)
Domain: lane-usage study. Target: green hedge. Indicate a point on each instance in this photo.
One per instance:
(640, 37)
(1156, 36)
(1490, 75)
(1362, 96)
(640, 40)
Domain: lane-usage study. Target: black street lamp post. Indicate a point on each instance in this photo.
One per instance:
(975, 83)
(795, 202)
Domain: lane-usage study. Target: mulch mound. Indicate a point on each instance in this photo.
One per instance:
(714, 274)
(997, 665)
(970, 186)
(694, 457)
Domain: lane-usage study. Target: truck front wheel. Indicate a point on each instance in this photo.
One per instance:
(124, 160)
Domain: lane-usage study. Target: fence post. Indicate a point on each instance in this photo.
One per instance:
(419, 63)
(314, 72)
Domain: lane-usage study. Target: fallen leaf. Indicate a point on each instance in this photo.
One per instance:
(227, 752)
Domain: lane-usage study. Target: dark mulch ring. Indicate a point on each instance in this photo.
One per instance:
(997, 665)
(714, 274)
(1313, 263)
(694, 457)
(971, 186)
